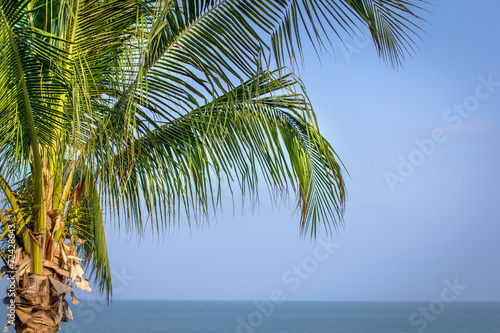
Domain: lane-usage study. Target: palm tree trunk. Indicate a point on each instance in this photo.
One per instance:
(39, 300)
(40, 304)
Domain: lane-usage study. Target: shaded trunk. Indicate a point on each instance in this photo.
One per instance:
(39, 300)
(40, 304)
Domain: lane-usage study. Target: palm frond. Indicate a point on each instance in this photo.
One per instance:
(264, 124)
(94, 247)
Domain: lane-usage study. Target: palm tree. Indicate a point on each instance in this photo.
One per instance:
(141, 110)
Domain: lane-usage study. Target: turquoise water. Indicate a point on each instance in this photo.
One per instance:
(288, 317)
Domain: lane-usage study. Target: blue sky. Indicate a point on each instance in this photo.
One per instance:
(436, 219)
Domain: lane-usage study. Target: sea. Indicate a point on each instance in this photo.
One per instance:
(286, 317)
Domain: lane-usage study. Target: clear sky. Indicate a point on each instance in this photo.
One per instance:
(422, 146)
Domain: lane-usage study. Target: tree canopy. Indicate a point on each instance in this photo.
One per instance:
(138, 111)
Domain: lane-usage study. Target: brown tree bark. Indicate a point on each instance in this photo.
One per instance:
(40, 304)
(39, 300)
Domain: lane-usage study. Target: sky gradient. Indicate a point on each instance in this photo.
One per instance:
(422, 146)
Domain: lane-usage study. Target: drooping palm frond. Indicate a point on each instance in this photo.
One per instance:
(264, 124)
(91, 235)
(393, 25)
(184, 64)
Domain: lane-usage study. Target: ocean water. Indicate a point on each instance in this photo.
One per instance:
(287, 317)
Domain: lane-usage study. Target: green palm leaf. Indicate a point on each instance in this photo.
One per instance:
(264, 124)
